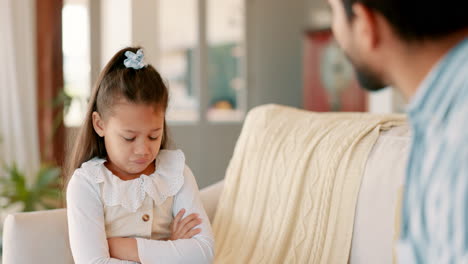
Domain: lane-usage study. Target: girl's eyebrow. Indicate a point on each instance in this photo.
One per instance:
(131, 131)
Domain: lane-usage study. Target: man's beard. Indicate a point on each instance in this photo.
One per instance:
(367, 78)
(369, 81)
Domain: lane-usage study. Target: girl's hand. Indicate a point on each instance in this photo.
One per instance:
(183, 228)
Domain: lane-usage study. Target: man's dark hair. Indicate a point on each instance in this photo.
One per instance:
(416, 20)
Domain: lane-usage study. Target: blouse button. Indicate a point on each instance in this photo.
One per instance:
(145, 217)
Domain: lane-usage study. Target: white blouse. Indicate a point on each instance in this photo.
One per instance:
(101, 205)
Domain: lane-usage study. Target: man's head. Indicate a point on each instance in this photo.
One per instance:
(369, 30)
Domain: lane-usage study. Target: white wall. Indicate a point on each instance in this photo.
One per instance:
(381, 102)
(145, 28)
(275, 31)
(318, 14)
(388, 100)
(115, 28)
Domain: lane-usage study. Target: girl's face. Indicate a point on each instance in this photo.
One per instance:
(132, 136)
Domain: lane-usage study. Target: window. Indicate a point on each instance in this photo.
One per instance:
(226, 54)
(76, 58)
(178, 40)
(181, 36)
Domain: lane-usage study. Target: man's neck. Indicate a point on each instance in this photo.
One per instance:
(414, 64)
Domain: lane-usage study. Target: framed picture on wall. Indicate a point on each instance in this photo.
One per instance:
(330, 83)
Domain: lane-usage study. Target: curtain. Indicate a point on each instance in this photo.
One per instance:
(18, 107)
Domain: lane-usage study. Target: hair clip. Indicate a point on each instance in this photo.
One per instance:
(133, 60)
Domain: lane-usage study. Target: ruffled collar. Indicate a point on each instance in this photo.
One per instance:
(166, 181)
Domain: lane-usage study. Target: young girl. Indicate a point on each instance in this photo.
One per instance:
(128, 195)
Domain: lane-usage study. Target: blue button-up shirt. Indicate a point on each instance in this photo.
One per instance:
(435, 207)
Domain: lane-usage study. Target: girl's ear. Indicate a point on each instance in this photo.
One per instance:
(98, 124)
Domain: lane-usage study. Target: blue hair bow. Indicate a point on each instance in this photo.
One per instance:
(133, 60)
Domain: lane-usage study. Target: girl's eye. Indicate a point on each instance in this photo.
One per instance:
(129, 139)
(153, 138)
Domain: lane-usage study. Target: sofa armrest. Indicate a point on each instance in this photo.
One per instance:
(210, 196)
(36, 237)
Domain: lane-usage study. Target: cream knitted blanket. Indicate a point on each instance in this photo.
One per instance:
(291, 188)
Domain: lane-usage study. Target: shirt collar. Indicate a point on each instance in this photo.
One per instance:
(431, 87)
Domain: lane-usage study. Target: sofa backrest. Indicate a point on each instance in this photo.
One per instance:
(378, 210)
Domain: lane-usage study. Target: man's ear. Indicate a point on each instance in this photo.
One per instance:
(98, 124)
(366, 27)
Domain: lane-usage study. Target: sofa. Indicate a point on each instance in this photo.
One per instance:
(42, 237)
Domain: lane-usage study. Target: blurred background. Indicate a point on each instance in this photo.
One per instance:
(220, 58)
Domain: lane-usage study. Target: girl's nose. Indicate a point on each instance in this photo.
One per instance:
(142, 148)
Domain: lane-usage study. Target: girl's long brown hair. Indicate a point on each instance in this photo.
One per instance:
(114, 83)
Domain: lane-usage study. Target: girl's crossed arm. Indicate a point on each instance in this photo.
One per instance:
(126, 248)
(198, 249)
